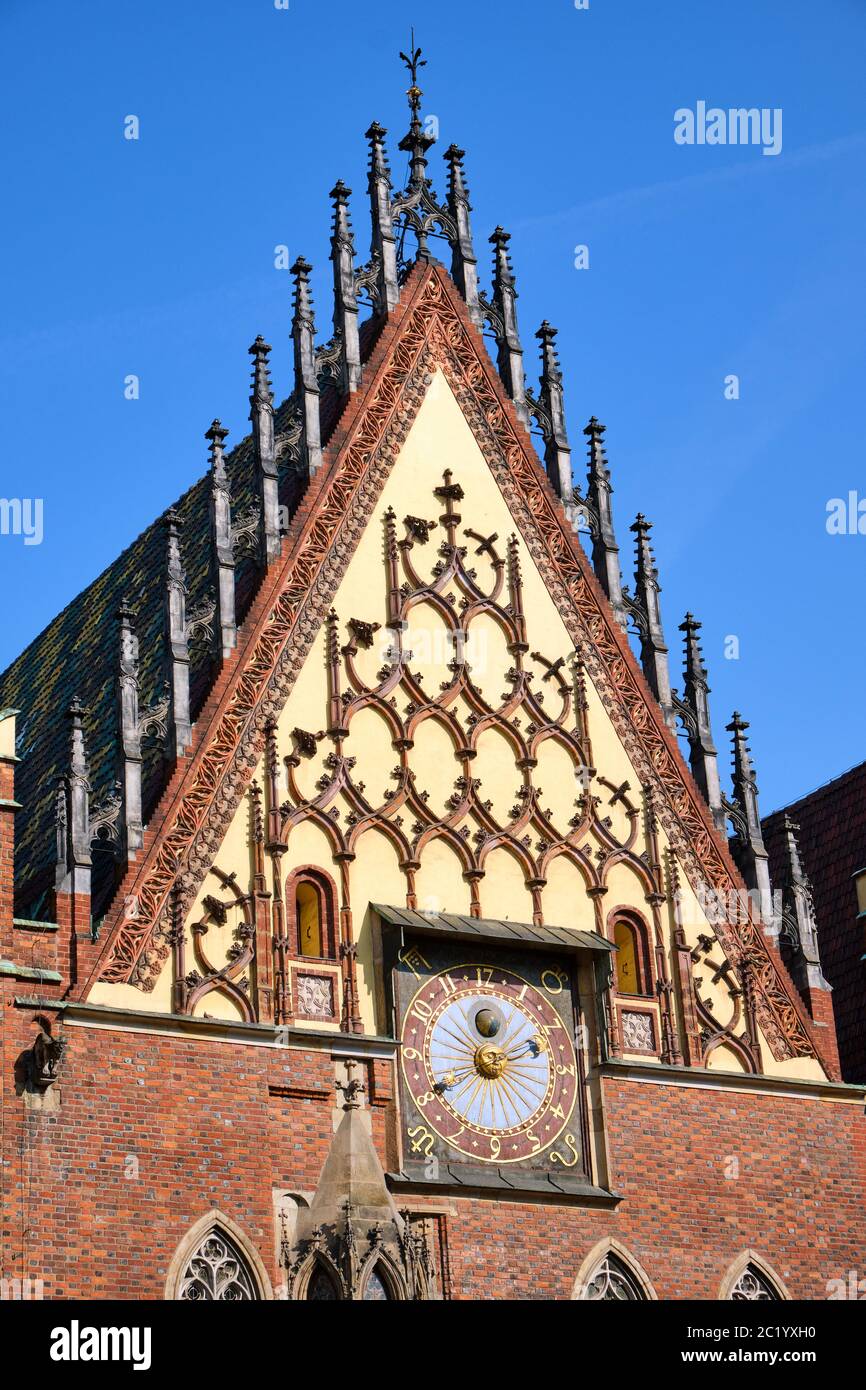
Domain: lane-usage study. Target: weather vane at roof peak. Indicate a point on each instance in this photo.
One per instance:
(413, 61)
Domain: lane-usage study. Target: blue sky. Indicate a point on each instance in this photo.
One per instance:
(155, 257)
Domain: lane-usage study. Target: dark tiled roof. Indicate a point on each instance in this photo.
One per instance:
(77, 655)
(832, 842)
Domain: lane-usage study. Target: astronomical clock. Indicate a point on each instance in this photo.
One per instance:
(491, 1085)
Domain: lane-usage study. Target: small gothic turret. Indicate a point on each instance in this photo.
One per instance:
(509, 348)
(464, 262)
(262, 417)
(702, 750)
(73, 812)
(180, 726)
(345, 298)
(557, 450)
(653, 651)
(223, 563)
(306, 380)
(383, 246)
(749, 849)
(129, 749)
(605, 551)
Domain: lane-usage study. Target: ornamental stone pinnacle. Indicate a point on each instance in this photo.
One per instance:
(703, 758)
(306, 380)
(653, 650)
(345, 297)
(557, 450)
(222, 553)
(748, 847)
(464, 263)
(177, 650)
(504, 303)
(605, 551)
(262, 419)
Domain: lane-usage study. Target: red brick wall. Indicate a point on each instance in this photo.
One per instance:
(7, 853)
(220, 1125)
(797, 1199)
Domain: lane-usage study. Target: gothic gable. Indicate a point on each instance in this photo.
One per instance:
(429, 345)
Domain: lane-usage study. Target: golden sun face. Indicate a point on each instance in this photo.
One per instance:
(490, 1061)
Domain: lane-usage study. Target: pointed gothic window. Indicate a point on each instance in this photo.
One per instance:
(612, 1280)
(321, 1287)
(375, 1289)
(753, 1286)
(632, 959)
(217, 1273)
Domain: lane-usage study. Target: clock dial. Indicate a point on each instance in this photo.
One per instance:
(489, 1062)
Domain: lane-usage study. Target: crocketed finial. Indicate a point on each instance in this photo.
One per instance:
(703, 758)
(262, 419)
(306, 378)
(416, 142)
(345, 296)
(217, 435)
(653, 650)
(605, 551)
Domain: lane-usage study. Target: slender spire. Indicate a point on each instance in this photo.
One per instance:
(416, 142)
(702, 750)
(262, 417)
(345, 298)
(464, 262)
(605, 551)
(383, 247)
(557, 450)
(73, 824)
(306, 381)
(749, 849)
(223, 563)
(180, 726)
(653, 651)
(129, 749)
(510, 351)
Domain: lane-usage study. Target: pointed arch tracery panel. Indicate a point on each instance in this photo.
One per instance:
(751, 1279)
(612, 1281)
(217, 1263)
(610, 1273)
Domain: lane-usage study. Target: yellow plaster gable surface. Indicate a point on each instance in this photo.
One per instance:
(580, 885)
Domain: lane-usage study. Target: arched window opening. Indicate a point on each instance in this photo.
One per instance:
(612, 1280)
(217, 1273)
(754, 1287)
(375, 1289)
(632, 964)
(321, 1287)
(308, 916)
